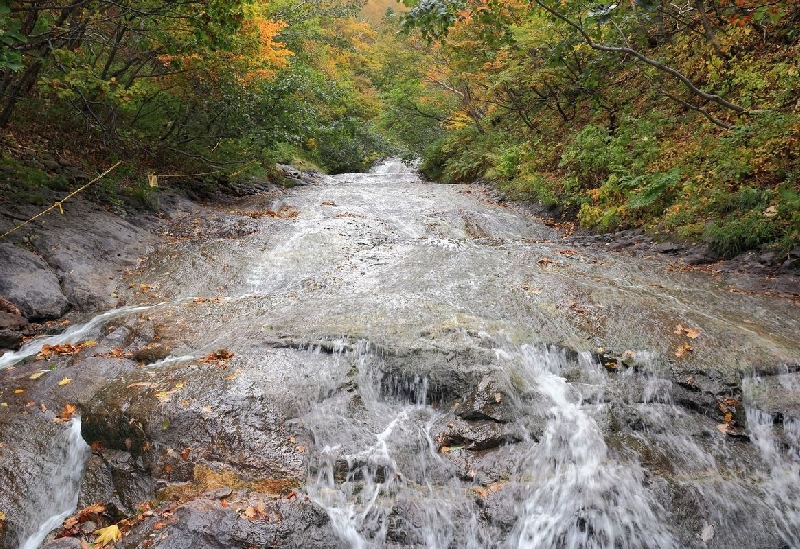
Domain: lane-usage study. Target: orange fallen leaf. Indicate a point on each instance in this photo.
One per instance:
(116, 353)
(18, 391)
(251, 513)
(217, 357)
(686, 348)
(185, 453)
(66, 413)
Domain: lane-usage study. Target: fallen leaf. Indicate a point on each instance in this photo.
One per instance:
(678, 330)
(158, 526)
(66, 413)
(185, 453)
(109, 534)
(141, 384)
(251, 513)
(483, 492)
(37, 375)
(301, 449)
(686, 348)
(692, 333)
(217, 357)
(18, 391)
(116, 353)
(498, 398)
(63, 349)
(65, 381)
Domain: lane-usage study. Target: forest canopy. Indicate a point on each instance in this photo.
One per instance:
(681, 118)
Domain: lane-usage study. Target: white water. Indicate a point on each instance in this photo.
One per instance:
(73, 334)
(417, 266)
(57, 497)
(579, 495)
(571, 489)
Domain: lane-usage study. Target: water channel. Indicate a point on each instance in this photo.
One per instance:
(455, 374)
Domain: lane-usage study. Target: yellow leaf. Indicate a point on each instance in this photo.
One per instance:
(65, 381)
(37, 375)
(109, 534)
(18, 391)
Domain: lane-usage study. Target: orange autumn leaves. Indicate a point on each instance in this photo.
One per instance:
(691, 333)
(49, 351)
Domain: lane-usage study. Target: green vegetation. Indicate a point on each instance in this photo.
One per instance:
(681, 120)
(643, 114)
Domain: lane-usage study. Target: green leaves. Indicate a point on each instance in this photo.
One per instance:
(10, 38)
(433, 18)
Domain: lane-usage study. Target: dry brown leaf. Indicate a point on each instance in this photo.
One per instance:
(685, 348)
(66, 413)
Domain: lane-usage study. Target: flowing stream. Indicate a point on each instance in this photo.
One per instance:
(56, 498)
(467, 378)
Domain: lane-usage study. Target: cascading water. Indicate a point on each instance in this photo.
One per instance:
(56, 498)
(578, 495)
(384, 480)
(72, 334)
(457, 426)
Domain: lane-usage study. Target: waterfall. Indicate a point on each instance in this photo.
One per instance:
(57, 497)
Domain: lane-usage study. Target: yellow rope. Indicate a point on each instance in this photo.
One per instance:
(58, 204)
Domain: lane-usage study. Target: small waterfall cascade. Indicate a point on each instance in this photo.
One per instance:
(581, 480)
(57, 497)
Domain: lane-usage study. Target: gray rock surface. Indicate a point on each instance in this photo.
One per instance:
(28, 281)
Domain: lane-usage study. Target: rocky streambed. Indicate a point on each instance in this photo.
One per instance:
(373, 361)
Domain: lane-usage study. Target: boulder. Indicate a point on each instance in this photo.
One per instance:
(488, 401)
(27, 281)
